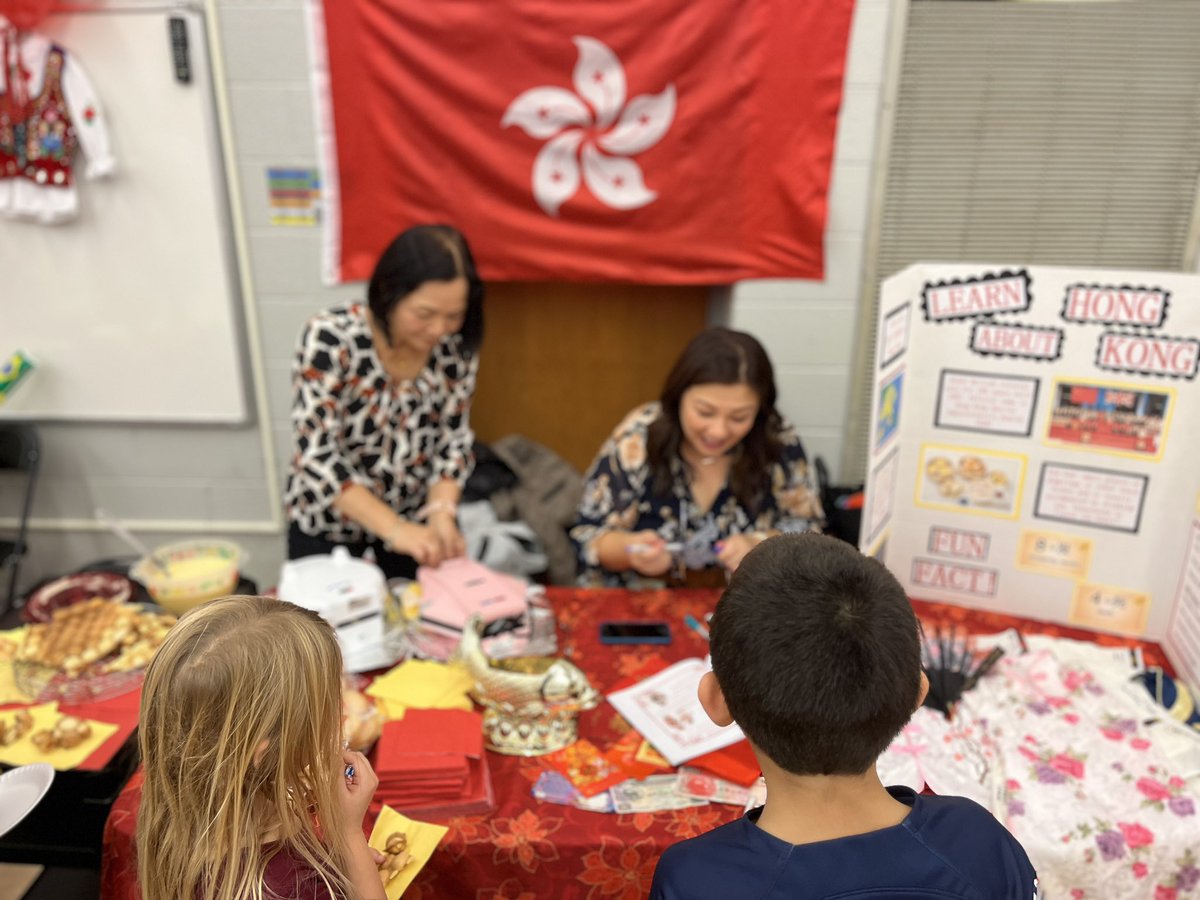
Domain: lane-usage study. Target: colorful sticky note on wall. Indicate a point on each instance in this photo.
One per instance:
(12, 370)
(294, 196)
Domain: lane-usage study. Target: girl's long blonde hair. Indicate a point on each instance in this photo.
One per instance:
(240, 736)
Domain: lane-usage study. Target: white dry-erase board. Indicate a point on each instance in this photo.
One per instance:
(130, 310)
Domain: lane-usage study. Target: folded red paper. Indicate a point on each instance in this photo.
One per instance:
(432, 731)
(431, 763)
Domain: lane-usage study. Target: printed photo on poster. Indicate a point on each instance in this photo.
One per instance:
(887, 416)
(1125, 420)
(894, 336)
(1057, 555)
(970, 480)
(1108, 608)
(880, 498)
(1099, 498)
(992, 404)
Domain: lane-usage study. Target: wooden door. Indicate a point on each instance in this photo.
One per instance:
(563, 363)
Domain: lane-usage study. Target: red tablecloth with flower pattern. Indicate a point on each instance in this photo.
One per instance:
(525, 849)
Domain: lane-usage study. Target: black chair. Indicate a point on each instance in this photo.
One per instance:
(19, 452)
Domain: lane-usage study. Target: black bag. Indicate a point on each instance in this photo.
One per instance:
(842, 504)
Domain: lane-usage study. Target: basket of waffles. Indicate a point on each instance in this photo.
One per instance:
(90, 640)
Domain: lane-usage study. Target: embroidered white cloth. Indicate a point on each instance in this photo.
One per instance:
(1086, 774)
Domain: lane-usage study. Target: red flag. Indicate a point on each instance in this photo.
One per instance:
(649, 141)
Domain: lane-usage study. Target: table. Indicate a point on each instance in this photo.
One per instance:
(525, 850)
(81, 796)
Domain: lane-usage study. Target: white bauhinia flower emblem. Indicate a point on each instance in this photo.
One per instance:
(575, 138)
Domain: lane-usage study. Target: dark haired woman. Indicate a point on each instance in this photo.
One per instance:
(685, 487)
(382, 437)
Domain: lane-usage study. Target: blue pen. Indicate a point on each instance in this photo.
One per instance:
(690, 621)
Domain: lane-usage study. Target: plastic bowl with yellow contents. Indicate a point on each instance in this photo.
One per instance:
(188, 573)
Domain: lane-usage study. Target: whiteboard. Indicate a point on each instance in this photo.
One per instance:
(129, 310)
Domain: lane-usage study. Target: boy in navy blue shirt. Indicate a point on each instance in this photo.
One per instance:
(816, 655)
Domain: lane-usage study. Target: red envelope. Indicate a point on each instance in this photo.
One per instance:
(586, 768)
(623, 755)
(736, 763)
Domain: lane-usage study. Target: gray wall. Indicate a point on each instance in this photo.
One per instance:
(176, 482)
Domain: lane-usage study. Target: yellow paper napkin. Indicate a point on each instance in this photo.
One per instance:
(425, 685)
(391, 710)
(25, 751)
(423, 839)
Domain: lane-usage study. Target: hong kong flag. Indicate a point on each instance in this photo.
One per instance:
(645, 141)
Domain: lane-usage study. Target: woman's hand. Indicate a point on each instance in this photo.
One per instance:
(444, 526)
(420, 542)
(648, 554)
(356, 791)
(733, 549)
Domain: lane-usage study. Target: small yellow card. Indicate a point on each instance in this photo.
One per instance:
(421, 839)
(1059, 555)
(1109, 608)
(24, 751)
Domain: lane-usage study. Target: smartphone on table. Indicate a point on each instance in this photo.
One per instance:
(635, 633)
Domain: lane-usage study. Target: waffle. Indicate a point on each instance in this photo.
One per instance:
(79, 635)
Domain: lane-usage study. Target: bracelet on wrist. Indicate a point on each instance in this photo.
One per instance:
(436, 506)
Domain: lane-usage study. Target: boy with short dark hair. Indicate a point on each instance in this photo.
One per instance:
(816, 655)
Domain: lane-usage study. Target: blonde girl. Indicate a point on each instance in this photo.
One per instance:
(246, 792)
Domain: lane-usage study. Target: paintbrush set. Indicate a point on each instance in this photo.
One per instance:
(952, 667)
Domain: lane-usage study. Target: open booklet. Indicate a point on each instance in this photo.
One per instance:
(667, 712)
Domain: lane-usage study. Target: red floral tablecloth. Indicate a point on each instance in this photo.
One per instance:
(525, 849)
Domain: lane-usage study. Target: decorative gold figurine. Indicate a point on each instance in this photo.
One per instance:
(395, 857)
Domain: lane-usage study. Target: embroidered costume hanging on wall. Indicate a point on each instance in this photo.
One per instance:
(48, 109)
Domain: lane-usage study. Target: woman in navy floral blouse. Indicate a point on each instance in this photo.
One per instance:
(381, 412)
(685, 487)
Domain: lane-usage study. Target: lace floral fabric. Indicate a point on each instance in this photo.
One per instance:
(1084, 773)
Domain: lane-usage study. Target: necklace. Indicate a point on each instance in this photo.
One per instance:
(708, 460)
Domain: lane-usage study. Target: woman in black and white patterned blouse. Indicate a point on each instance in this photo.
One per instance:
(380, 417)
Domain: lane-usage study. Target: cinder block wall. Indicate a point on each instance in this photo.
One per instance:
(217, 474)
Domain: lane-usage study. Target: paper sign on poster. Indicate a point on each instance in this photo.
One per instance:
(1082, 495)
(993, 404)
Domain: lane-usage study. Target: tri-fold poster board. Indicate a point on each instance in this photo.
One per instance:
(1034, 446)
